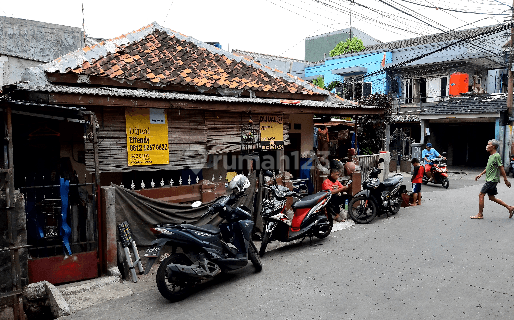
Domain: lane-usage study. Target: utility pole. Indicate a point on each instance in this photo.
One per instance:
(351, 2)
(509, 94)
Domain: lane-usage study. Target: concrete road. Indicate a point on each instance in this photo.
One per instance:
(429, 261)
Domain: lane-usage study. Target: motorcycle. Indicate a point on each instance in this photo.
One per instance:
(377, 197)
(310, 216)
(207, 250)
(439, 172)
(511, 165)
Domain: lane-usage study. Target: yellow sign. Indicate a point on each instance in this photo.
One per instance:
(147, 136)
(272, 132)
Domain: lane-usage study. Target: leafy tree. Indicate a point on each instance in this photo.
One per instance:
(372, 128)
(350, 45)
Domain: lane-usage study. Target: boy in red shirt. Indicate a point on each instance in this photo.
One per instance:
(417, 179)
(332, 184)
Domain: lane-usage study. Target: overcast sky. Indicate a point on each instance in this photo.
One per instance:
(276, 27)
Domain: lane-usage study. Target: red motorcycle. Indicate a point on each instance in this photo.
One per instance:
(439, 172)
(310, 216)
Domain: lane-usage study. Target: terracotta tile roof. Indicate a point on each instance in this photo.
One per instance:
(164, 57)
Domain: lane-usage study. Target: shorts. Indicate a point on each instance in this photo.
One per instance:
(489, 188)
(416, 187)
(428, 167)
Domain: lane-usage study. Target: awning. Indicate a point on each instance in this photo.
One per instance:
(352, 71)
(43, 110)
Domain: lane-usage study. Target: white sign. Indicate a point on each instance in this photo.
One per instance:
(157, 116)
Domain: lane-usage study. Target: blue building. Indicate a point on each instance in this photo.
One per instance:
(363, 73)
(421, 74)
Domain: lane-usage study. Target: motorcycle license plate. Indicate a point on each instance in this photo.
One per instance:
(153, 252)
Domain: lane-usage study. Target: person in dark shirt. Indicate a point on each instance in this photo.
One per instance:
(417, 179)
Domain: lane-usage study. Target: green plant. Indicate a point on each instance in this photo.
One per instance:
(372, 128)
(332, 85)
(350, 45)
(319, 82)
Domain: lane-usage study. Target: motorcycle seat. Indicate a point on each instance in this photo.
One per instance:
(389, 182)
(209, 228)
(309, 201)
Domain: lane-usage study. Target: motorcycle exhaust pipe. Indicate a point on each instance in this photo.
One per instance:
(176, 271)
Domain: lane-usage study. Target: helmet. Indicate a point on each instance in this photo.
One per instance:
(239, 184)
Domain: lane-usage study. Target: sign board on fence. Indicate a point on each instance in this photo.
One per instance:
(147, 136)
(272, 132)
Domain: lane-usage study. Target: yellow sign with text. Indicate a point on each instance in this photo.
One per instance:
(272, 132)
(147, 136)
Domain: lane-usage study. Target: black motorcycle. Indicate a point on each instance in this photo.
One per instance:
(377, 197)
(200, 253)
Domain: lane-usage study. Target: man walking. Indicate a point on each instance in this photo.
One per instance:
(492, 177)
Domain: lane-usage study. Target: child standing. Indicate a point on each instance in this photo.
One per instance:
(417, 179)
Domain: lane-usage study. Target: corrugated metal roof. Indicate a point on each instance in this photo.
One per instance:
(468, 104)
(332, 102)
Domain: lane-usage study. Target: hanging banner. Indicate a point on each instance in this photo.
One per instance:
(147, 136)
(272, 132)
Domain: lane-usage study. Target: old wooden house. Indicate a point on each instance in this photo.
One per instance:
(155, 109)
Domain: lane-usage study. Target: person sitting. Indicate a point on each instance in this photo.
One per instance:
(428, 155)
(332, 183)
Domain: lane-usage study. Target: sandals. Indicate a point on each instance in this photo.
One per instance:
(477, 217)
(511, 212)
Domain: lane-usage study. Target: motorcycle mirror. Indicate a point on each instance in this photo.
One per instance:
(444, 153)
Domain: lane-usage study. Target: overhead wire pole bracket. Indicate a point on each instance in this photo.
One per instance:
(507, 137)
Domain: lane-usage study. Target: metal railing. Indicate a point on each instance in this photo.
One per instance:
(366, 163)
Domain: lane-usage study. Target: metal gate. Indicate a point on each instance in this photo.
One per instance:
(401, 143)
(61, 231)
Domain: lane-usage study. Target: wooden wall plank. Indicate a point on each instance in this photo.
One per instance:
(192, 136)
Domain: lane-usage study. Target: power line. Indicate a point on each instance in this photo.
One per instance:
(453, 10)
(367, 18)
(382, 1)
(296, 13)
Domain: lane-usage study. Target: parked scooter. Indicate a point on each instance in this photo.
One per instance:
(439, 171)
(377, 197)
(205, 251)
(511, 165)
(310, 215)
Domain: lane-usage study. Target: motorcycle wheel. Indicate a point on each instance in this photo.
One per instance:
(396, 206)
(446, 183)
(362, 210)
(173, 290)
(323, 234)
(254, 257)
(264, 243)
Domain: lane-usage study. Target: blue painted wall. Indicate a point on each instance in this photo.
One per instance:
(371, 61)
